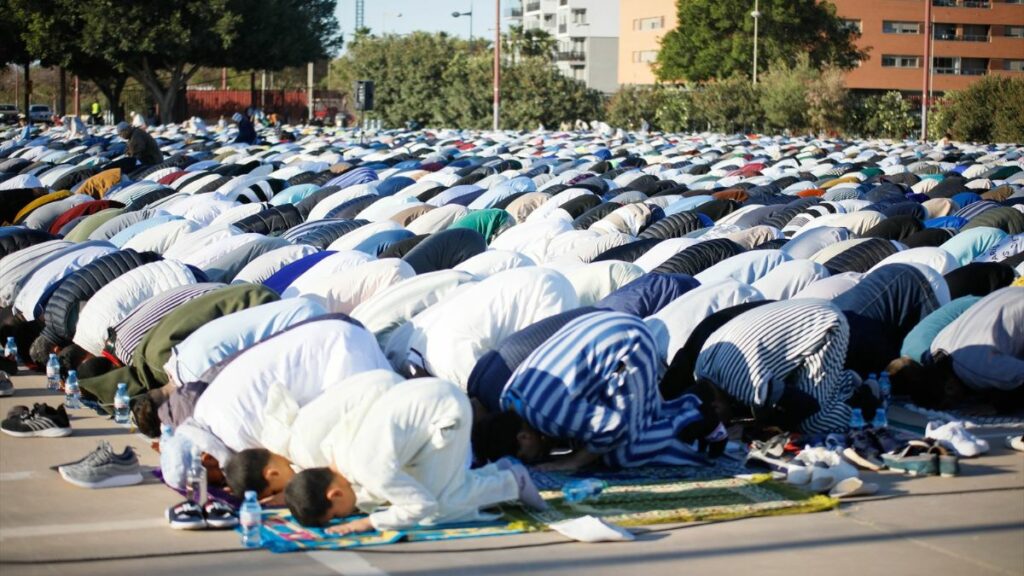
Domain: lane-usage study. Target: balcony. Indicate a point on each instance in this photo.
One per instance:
(571, 56)
(962, 3)
(562, 28)
(533, 6)
(945, 71)
(514, 12)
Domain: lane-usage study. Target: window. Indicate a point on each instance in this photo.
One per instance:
(579, 17)
(578, 73)
(890, 61)
(645, 56)
(975, 33)
(853, 25)
(890, 27)
(652, 23)
(1014, 31)
(1014, 65)
(944, 31)
(960, 66)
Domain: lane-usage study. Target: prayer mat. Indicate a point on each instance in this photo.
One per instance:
(638, 497)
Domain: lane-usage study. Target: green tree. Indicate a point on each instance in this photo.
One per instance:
(727, 105)
(886, 115)
(989, 110)
(51, 32)
(827, 102)
(631, 105)
(714, 38)
(532, 43)
(783, 94)
(13, 48)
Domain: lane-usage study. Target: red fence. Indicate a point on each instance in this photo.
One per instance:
(290, 105)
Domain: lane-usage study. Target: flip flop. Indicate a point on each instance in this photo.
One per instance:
(852, 487)
(186, 516)
(220, 515)
(917, 459)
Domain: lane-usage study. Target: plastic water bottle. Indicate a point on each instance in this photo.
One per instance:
(195, 486)
(166, 437)
(72, 393)
(857, 419)
(11, 349)
(881, 419)
(121, 404)
(885, 389)
(53, 373)
(250, 516)
(584, 489)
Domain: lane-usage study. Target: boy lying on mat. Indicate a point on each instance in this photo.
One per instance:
(409, 450)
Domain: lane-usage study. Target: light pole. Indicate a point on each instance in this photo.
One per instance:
(469, 13)
(756, 14)
(928, 39)
(497, 62)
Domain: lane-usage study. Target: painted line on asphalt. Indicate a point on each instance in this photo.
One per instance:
(347, 563)
(14, 476)
(90, 528)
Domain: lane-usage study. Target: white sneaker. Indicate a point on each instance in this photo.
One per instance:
(953, 436)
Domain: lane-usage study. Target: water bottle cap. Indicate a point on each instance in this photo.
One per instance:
(122, 385)
(72, 373)
(52, 356)
(885, 373)
(250, 494)
(873, 376)
(166, 429)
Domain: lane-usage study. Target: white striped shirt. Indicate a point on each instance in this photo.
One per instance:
(796, 343)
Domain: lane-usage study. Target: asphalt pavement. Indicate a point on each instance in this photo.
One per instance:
(972, 524)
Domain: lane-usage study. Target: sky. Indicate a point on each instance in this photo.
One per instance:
(428, 15)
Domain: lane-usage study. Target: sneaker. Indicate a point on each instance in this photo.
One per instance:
(104, 469)
(886, 440)
(954, 436)
(6, 386)
(41, 421)
(1015, 443)
(186, 516)
(864, 451)
(220, 515)
(916, 458)
(103, 446)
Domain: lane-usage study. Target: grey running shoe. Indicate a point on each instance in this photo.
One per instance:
(42, 420)
(6, 386)
(102, 468)
(96, 454)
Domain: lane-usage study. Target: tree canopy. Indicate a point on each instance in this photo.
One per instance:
(163, 43)
(714, 38)
(438, 80)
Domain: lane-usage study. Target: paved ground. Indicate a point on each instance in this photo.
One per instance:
(973, 525)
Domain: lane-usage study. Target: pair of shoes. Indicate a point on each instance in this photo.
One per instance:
(824, 469)
(42, 421)
(954, 436)
(103, 468)
(189, 516)
(6, 386)
(1015, 443)
(774, 447)
(923, 458)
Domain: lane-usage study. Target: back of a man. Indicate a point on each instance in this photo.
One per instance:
(141, 145)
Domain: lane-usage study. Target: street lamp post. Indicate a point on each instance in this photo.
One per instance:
(497, 62)
(756, 14)
(469, 13)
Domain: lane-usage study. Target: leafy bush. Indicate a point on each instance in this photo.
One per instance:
(727, 105)
(886, 115)
(989, 110)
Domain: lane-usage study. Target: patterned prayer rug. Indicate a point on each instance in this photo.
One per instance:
(633, 498)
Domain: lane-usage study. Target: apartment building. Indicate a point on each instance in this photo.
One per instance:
(971, 38)
(586, 32)
(642, 23)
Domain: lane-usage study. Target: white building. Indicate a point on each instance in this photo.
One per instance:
(587, 32)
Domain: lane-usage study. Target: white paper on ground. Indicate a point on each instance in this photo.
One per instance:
(591, 529)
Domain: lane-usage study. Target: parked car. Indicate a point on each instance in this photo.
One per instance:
(39, 113)
(8, 113)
